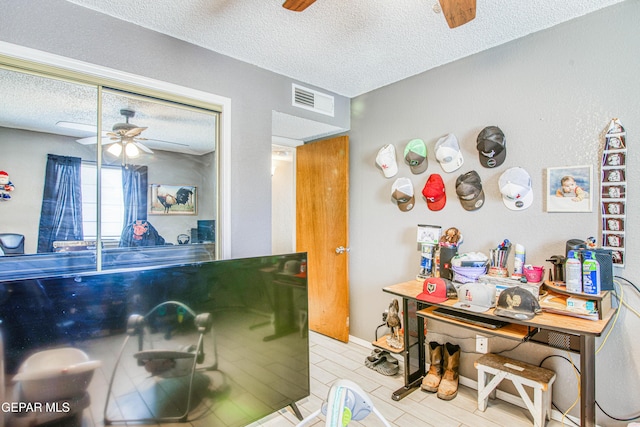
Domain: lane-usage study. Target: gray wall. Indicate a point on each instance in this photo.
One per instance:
(62, 28)
(553, 94)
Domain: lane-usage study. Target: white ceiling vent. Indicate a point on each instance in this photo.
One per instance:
(313, 100)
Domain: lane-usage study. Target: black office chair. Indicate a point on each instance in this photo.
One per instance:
(12, 243)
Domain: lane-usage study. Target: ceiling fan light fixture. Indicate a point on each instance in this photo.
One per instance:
(115, 149)
(131, 150)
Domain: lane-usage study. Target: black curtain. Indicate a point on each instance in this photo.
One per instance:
(61, 214)
(134, 187)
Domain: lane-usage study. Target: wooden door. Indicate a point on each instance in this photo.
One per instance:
(322, 218)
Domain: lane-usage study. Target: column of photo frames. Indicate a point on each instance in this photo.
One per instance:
(614, 192)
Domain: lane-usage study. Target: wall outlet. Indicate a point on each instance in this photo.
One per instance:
(482, 344)
(384, 315)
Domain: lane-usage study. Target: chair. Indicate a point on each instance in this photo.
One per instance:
(12, 244)
(140, 233)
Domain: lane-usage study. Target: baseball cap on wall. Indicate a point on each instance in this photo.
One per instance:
(492, 147)
(448, 153)
(517, 303)
(515, 186)
(476, 297)
(415, 154)
(402, 194)
(469, 191)
(386, 159)
(434, 192)
(436, 290)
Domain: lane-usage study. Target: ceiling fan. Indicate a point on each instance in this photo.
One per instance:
(457, 12)
(125, 135)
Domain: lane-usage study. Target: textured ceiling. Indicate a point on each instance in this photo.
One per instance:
(347, 47)
(38, 104)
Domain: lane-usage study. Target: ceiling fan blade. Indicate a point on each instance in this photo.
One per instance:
(88, 140)
(143, 147)
(297, 5)
(458, 12)
(92, 140)
(133, 132)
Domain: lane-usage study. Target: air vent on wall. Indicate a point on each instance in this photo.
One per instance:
(313, 100)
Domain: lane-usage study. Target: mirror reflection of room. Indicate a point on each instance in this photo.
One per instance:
(157, 186)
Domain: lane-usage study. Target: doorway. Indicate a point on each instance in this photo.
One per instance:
(283, 189)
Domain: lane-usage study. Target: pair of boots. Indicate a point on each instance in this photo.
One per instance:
(443, 372)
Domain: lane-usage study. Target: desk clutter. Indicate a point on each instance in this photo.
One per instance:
(583, 277)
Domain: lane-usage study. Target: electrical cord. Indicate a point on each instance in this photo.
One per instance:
(615, 320)
(635, 417)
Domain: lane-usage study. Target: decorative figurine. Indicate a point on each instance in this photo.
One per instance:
(5, 186)
(451, 237)
(393, 322)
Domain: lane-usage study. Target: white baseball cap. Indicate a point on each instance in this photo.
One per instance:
(448, 153)
(402, 193)
(476, 297)
(386, 159)
(515, 186)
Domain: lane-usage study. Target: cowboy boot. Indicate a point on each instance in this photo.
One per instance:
(431, 381)
(448, 388)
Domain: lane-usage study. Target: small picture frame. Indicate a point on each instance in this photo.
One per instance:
(570, 189)
(611, 240)
(617, 256)
(613, 176)
(613, 208)
(612, 224)
(614, 159)
(173, 199)
(614, 192)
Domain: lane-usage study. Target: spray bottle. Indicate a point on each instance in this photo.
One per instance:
(590, 274)
(573, 272)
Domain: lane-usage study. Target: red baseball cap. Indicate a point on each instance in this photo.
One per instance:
(434, 289)
(434, 192)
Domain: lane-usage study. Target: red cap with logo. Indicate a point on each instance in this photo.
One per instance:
(434, 289)
(434, 192)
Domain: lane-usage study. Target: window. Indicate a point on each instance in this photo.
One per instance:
(112, 202)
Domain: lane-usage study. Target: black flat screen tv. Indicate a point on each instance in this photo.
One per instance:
(255, 355)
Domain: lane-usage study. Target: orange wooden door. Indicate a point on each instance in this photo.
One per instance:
(322, 218)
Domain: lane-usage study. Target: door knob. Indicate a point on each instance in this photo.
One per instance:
(342, 249)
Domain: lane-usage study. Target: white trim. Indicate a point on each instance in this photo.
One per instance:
(224, 146)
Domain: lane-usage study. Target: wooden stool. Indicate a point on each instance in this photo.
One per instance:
(520, 374)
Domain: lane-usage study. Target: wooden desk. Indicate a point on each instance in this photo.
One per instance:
(586, 330)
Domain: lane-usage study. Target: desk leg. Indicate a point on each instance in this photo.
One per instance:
(412, 380)
(587, 381)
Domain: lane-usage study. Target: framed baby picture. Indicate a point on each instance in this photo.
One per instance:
(570, 189)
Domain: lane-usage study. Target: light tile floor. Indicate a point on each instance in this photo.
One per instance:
(331, 360)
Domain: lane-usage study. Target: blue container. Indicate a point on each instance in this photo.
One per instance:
(590, 274)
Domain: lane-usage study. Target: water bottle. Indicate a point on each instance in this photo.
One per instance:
(590, 274)
(573, 272)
